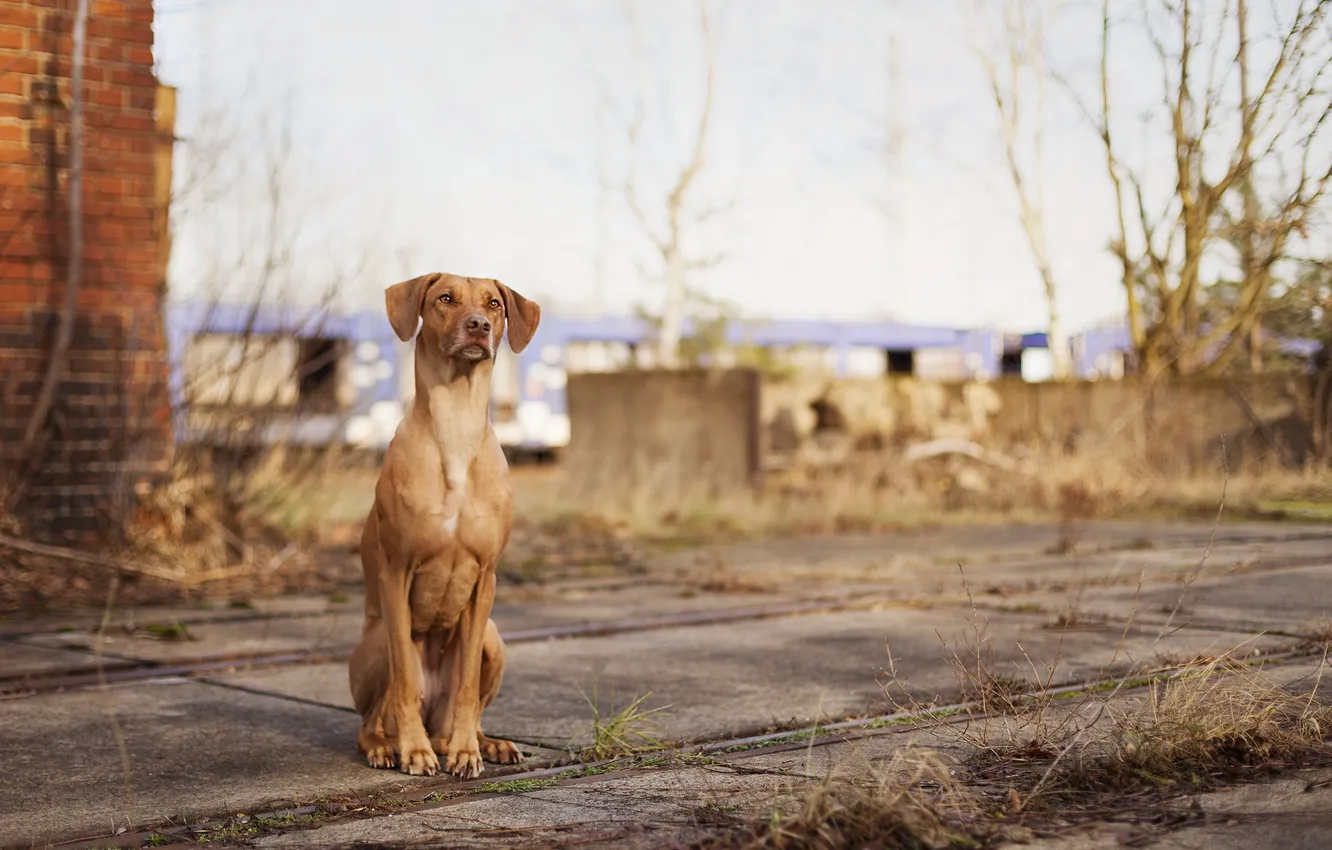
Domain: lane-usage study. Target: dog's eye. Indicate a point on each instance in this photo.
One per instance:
(446, 298)
(494, 303)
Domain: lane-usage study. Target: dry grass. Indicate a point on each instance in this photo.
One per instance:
(1211, 719)
(1013, 708)
(914, 801)
(258, 523)
(627, 731)
(874, 492)
(1055, 762)
(1318, 631)
(1207, 720)
(1062, 762)
(203, 536)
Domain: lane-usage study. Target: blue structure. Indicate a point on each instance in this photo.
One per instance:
(529, 407)
(370, 357)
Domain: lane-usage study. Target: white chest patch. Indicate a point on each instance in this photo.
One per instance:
(451, 524)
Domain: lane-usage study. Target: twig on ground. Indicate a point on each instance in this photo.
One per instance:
(119, 566)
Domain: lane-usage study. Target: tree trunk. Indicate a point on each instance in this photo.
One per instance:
(672, 313)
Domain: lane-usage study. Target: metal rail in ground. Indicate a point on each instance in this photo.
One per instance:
(120, 670)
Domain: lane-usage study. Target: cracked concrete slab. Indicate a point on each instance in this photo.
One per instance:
(1296, 600)
(1293, 812)
(638, 810)
(737, 678)
(189, 749)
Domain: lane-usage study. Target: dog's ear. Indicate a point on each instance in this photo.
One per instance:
(404, 302)
(522, 317)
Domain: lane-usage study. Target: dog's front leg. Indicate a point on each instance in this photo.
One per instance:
(404, 691)
(464, 758)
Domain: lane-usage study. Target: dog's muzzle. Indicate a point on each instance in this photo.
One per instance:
(473, 339)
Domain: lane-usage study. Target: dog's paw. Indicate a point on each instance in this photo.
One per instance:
(464, 759)
(382, 757)
(380, 752)
(419, 759)
(496, 751)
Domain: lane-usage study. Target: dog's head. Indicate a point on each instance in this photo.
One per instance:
(461, 317)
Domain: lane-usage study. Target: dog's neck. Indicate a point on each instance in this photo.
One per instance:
(453, 403)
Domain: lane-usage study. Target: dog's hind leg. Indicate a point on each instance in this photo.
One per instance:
(368, 674)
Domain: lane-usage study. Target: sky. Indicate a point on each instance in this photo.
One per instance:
(491, 139)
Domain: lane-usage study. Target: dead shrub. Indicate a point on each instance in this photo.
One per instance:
(873, 490)
(1205, 720)
(1014, 709)
(913, 801)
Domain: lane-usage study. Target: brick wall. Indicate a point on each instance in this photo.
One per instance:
(108, 432)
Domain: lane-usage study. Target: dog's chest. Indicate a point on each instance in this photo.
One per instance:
(464, 543)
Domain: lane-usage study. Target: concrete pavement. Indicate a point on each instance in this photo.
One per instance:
(187, 748)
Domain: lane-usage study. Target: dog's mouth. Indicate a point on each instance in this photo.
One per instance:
(472, 351)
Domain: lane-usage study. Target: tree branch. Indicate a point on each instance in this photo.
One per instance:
(37, 420)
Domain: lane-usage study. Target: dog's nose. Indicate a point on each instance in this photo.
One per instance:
(478, 324)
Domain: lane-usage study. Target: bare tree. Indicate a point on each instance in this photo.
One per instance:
(666, 230)
(1249, 171)
(1012, 53)
(242, 393)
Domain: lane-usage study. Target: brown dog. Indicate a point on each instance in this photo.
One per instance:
(430, 658)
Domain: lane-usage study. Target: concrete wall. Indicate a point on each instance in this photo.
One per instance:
(1170, 426)
(695, 431)
(109, 431)
(670, 432)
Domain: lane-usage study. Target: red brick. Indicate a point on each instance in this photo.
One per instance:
(132, 123)
(19, 64)
(18, 15)
(106, 51)
(109, 142)
(12, 294)
(97, 74)
(101, 28)
(108, 96)
(109, 9)
(132, 34)
(142, 97)
(60, 45)
(14, 177)
(15, 109)
(133, 76)
(13, 38)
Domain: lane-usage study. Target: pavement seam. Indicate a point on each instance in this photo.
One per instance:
(145, 669)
